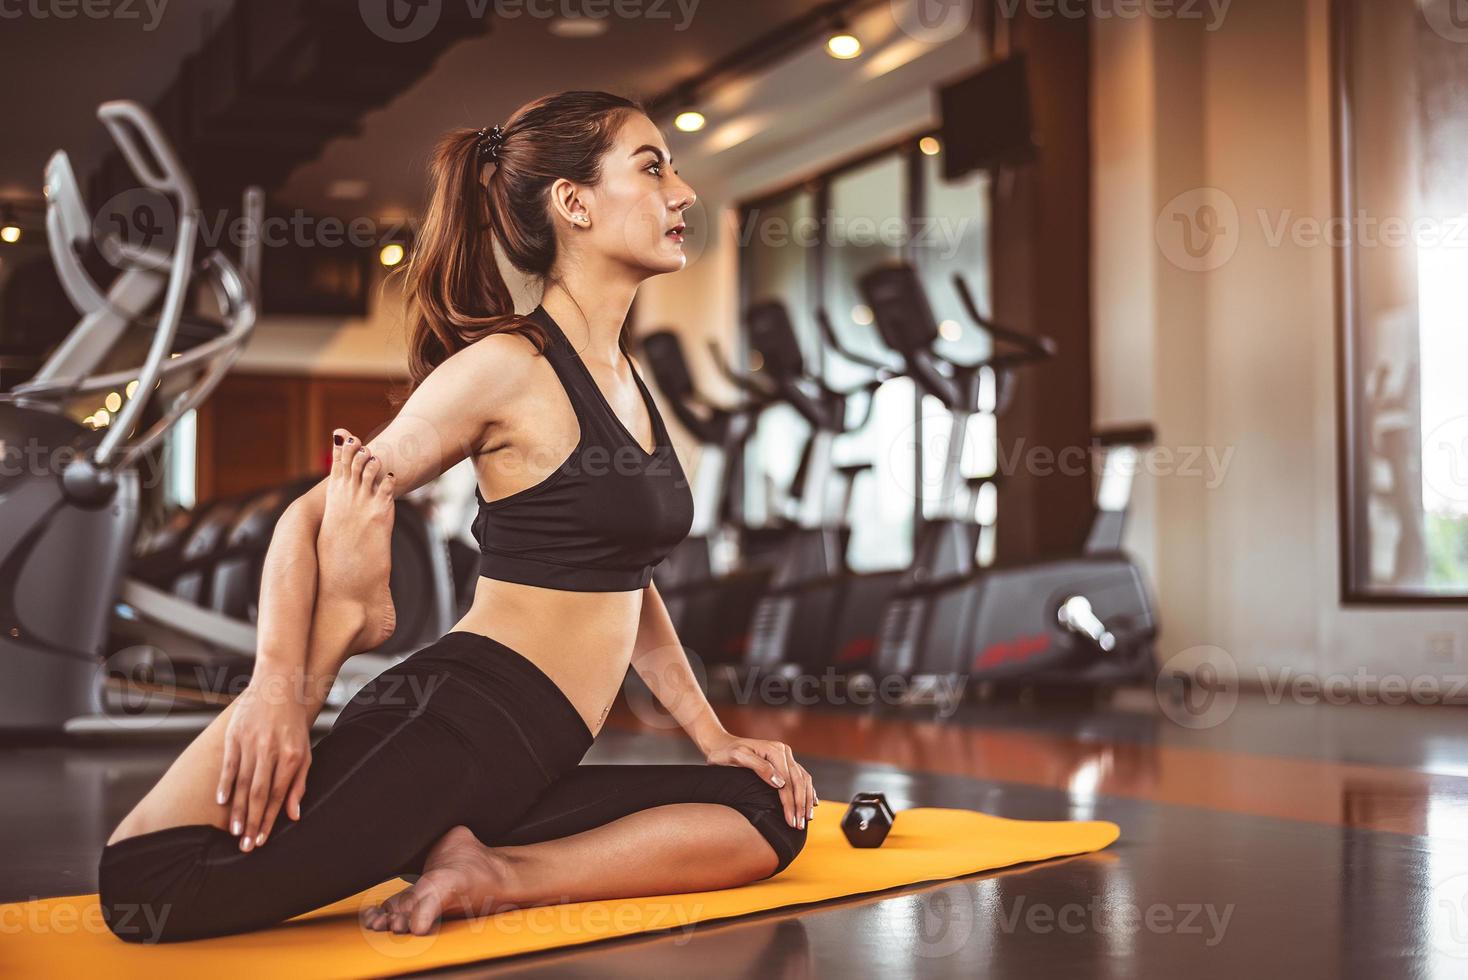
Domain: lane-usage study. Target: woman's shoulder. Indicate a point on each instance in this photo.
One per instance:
(490, 370)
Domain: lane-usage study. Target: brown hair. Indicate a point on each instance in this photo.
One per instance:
(454, 290)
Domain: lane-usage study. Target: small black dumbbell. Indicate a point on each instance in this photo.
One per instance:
(868, 820)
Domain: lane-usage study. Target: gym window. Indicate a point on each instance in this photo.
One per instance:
(1401, 132)
(806, 245)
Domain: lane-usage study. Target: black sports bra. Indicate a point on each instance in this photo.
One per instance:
(606, 516)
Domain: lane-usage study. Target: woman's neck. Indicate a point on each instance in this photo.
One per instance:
(591, 315)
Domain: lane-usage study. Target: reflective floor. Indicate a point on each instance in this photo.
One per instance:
(1280, 840)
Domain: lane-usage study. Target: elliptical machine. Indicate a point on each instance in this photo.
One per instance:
(711, 581)
(69, 494)
(795, 624)
(1084, 619)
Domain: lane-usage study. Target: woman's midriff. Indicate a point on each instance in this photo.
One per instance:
(580, 640)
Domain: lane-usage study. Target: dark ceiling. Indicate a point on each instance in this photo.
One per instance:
(58, 70)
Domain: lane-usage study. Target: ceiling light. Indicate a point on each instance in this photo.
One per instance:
(579, 26)
(843, 45)
(689, 121)
(392, 254)
(9, 230)
(929, 145)
(347, 190)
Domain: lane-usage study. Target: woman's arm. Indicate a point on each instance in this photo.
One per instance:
(662, 663)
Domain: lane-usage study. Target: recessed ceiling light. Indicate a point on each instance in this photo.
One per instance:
(689, 121)
(346, 190)
(929, 145)
(579, 26)
(843, 45)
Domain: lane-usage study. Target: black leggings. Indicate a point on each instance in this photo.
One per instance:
(465, 731)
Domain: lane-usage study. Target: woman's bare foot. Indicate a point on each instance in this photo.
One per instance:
(462, 878)
(354, 546)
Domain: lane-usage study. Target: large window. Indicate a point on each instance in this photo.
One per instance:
(807, 246)
(1402, 136)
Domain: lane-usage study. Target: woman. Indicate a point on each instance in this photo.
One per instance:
(461, 764)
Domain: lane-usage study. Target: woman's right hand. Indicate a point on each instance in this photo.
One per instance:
(267, 751)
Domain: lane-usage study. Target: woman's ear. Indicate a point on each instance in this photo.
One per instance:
(569, 204)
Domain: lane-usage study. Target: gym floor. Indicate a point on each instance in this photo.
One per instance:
(1287, 839)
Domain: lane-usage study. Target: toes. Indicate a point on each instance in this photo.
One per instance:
(387, 488)
(358, 463)
(423, 918)
(370, 471)
(342, 444)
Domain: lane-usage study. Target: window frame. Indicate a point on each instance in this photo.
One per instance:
(1350, 477)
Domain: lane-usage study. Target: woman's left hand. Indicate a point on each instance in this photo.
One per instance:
(776, 765)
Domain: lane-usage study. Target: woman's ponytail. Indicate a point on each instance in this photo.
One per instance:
(454, 289)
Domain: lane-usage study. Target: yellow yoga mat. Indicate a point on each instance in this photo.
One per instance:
(66, 937)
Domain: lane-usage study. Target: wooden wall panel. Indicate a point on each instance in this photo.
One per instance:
(249, 434)
(262, 430)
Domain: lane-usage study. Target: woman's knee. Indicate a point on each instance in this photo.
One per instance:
(760, 803)
(147, 898)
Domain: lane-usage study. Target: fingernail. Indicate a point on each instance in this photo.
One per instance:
(219, 797)
(350, 440)
(337, 440)
(777, 781)
(259, 839)
(235, 828)
(245, 843)
(802, 823)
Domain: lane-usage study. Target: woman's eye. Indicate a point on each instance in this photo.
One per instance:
(656, 169)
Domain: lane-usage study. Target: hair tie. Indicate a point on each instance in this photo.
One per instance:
(490, 141)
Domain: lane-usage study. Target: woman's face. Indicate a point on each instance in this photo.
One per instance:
(635, 214)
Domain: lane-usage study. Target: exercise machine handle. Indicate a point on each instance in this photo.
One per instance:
(828, 332)
(1031, 348)
(237, 298)
(132, 128)
(741, 380)
(128, 122)
(922, 365)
